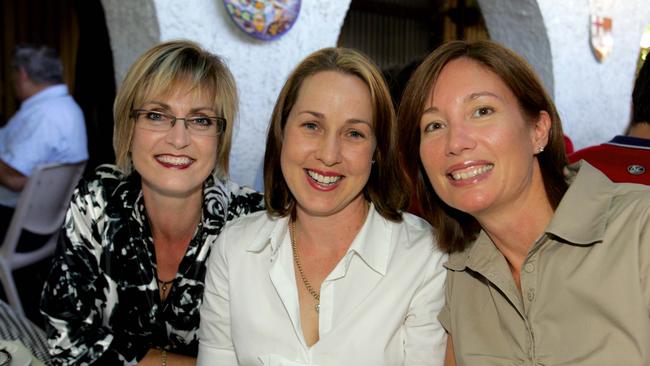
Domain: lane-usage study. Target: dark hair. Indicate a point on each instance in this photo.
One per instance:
(41, 63)
(456, 229)
(385, 186)
(641, 96)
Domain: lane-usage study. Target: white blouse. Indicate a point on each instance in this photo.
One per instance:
(378, 306)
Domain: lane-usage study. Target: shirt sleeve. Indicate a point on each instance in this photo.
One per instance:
(215, 340)
(644, 256)
(445, 314)
(425, 338)
(30, 145)
(76, 294)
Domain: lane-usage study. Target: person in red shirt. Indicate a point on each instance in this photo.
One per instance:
(626, 158)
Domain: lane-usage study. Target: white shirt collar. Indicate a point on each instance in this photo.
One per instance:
(372, 243)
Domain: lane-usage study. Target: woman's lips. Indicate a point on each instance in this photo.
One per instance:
(176, 162)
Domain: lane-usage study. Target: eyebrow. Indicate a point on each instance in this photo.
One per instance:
(482, 94)
(468, 98)
(168, 107)
(321, 115)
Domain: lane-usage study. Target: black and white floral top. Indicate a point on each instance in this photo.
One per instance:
(101, 302)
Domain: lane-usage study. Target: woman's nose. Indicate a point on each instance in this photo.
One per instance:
(329, 150)
(459, 139)
(178, 136)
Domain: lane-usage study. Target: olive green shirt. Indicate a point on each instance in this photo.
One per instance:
(585, 286)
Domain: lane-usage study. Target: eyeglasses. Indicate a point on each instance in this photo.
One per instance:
(163, 122)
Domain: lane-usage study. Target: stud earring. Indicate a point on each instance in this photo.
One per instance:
(541, 149)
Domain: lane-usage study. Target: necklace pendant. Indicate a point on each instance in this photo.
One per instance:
(318, 308)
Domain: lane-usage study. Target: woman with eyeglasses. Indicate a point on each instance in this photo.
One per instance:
(128, 275)
(334, 273)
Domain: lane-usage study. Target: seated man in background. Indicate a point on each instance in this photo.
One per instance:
(48, 128)
(627, 158)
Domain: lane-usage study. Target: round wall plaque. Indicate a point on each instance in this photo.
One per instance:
(263, 19)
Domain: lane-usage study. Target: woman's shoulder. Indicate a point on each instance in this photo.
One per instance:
(418, 235)
(256, 224)
(101, 183)
(250, 233)
(417, 228)
(237, 199)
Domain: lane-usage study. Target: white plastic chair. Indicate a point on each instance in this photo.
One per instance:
(41, 209)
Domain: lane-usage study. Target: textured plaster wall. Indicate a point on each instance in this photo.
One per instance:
(260, 68)
(593, 98)
(521, 28)
(133, 28)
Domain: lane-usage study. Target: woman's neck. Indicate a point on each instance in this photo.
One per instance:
(336, 231)
(173, 219)
(515, 228)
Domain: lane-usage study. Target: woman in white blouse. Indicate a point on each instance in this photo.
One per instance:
(333, 273)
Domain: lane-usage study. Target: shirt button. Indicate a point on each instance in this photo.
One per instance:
(529, 267)
(531, 295)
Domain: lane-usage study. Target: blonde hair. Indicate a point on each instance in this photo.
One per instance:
(157, 72)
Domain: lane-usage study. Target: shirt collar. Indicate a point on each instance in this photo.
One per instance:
(274, 239)
(581, 217)
(58, 90)
(629, 141)
(477, 256)
(372, 243)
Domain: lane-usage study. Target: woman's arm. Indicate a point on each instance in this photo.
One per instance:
(425, 338)
(215, 341)
(155, 358)
(450, 359)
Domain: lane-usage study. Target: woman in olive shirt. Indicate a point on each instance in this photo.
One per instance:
(541, 272)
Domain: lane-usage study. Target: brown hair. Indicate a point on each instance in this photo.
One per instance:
(455, 230)
(385, 186)
(159, 71)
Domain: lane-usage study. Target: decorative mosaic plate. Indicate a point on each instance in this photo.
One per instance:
(263, 19)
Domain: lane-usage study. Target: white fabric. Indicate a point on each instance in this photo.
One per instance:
(378, 306)
(48, 128)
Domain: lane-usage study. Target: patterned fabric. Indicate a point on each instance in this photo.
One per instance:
(101, 301)
(16, 327)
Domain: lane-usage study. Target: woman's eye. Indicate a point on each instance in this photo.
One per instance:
(356, 134)
(155, 116)
(310, 126)
(483, 111)
(433, 126)
(201, 121)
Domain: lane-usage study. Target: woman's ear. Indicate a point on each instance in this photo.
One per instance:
(540, 132)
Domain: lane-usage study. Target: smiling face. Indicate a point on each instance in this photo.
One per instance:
(174, 163)
(328, 143)
(477, 148)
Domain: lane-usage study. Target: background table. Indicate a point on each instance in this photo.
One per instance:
(13, 326)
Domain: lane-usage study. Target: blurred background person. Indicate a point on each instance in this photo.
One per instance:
(626, 158)
(48, 128)
(128, 274)
(534, 261)
(334, 273)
